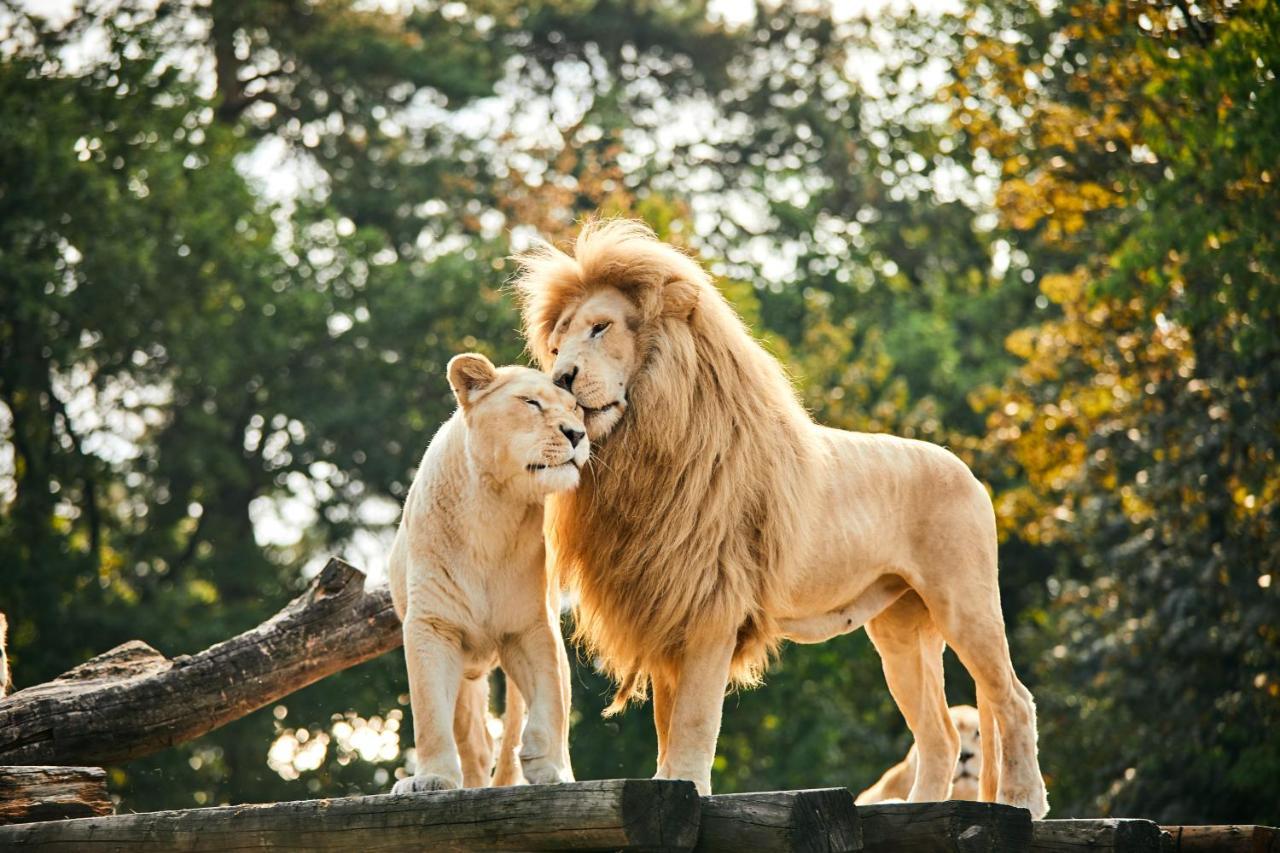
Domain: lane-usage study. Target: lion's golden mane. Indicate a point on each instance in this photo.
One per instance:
(689, 516)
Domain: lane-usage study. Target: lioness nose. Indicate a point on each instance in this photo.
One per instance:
(565, 379)
(965, 755)
(572, 434)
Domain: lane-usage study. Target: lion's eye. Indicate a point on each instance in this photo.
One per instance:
(598, 329)
(534, 403)
(555, 352)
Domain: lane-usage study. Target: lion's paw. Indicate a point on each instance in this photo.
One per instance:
(426, 782)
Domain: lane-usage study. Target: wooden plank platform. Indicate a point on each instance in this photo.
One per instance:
(1223, 839)
(620, 814)
(822, 820)
(52, 793)
(954, 826)
(1085, 836)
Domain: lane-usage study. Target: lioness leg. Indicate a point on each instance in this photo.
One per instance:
(435, 674)
(695, 714)
(532, 661)
(471, 730)
(976, 632)
(508, 770)
(910, 650)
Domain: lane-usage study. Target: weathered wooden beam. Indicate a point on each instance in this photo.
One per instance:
(617, 814)
(1084, 836)
(1223, 839)
(822, 820)
(133, 701)
(954, 826)
(52, 793)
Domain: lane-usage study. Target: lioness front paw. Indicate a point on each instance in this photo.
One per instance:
(546, 774)
(426, 782)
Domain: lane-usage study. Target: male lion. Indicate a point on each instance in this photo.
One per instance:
(896, 782)
(718, 519)
(468, 579)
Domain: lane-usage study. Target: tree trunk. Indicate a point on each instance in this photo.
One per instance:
(133, 701)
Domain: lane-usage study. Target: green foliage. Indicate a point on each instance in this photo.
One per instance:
(1043, 237)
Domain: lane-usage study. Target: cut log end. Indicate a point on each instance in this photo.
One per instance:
(52, 793)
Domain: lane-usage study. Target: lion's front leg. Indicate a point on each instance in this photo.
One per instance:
(695, 712)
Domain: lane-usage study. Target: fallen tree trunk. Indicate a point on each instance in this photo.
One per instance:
(615, 814)
(52, 793)
(133, 701)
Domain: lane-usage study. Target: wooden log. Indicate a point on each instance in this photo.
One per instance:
(133, 701)
(1082, 836)
(616, 814)
(1223, 839)
(822, 820)
(52, 793)
(954, 826)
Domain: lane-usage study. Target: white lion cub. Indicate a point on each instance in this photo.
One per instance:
(468, 579)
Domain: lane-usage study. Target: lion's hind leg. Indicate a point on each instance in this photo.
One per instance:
(973, 626)
(910, 650)
(989, 741)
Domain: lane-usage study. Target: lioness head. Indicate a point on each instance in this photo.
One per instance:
(964, 785)
(592, 318)
(522, 431)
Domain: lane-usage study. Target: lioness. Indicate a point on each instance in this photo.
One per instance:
(719, 519)
(896, 782)
(468, 579)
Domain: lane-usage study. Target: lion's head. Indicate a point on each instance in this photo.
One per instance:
(686, 521)
(522, 431)
(593, 318)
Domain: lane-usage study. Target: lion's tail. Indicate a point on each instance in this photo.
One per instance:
(634, 686)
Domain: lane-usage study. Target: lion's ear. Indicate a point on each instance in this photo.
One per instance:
(469, 375)
(679, 298)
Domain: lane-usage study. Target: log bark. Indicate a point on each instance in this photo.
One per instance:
(1085, 836)
(823, 821)
(1223, 839)
(954, 826)
(52, 793)
(617, 814)
(133, 701)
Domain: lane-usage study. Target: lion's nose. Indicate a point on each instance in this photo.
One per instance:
(572, 434)
(965, 755)
(565, 379)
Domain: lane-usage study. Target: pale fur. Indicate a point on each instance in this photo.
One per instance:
(895, 784)
(5, 678)
(718, 519)
(468, 579)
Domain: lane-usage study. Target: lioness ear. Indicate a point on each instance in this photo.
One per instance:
(679, 298)
(469, 374)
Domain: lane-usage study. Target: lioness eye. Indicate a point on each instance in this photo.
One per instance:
(598, 329)
(534, 403)
(555, 352)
